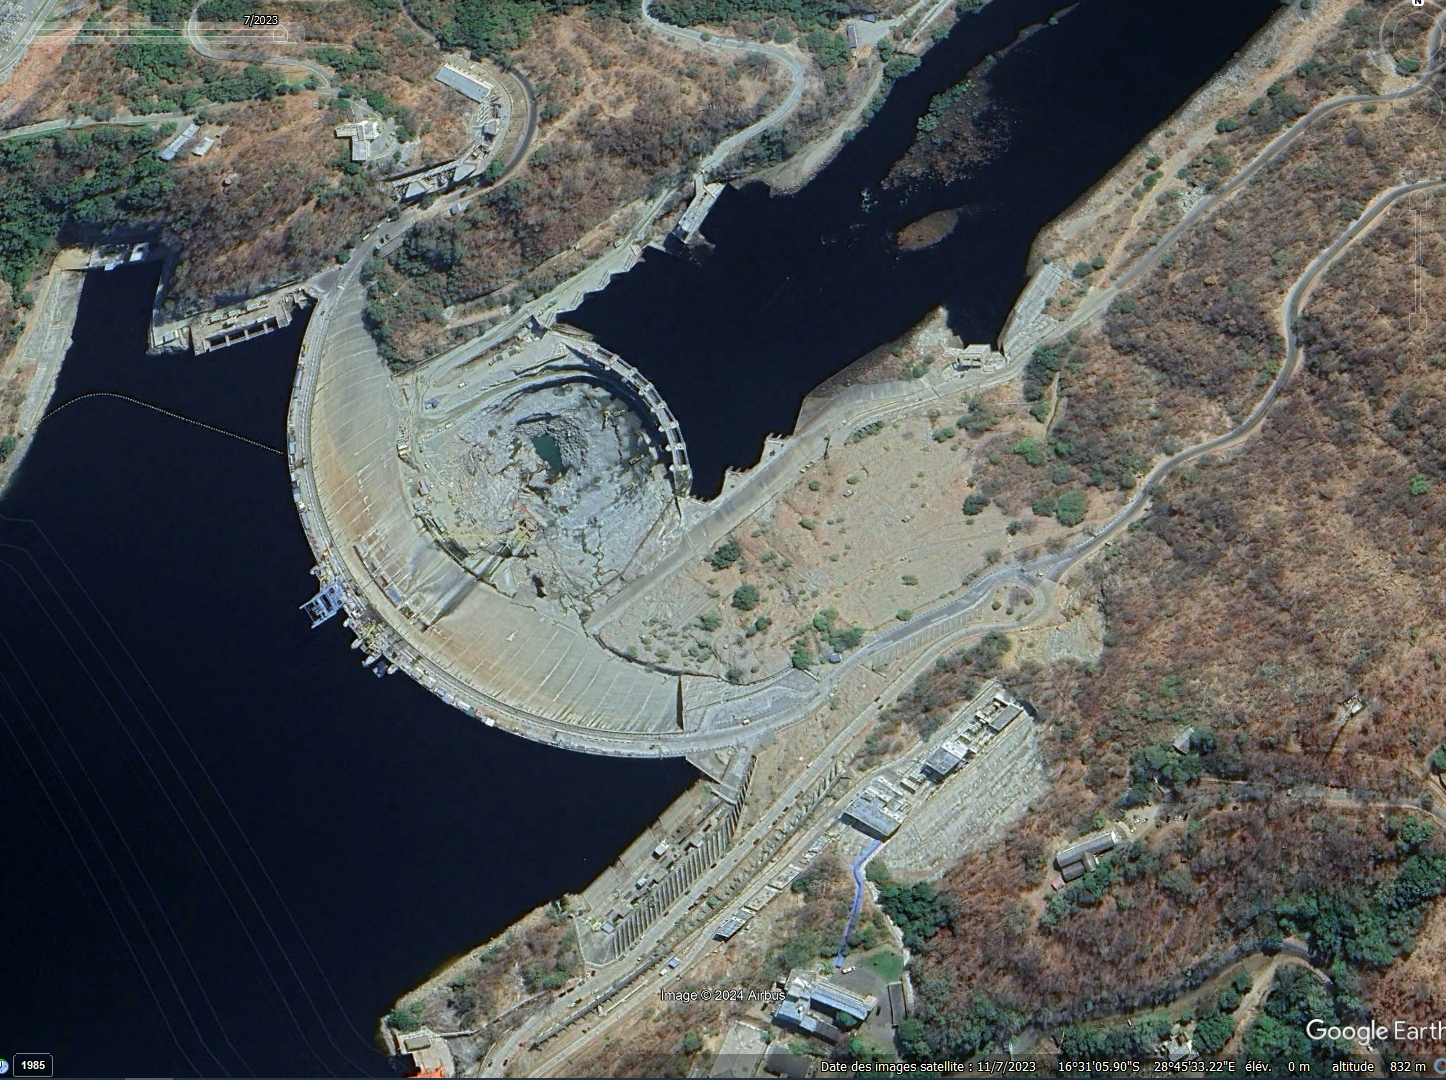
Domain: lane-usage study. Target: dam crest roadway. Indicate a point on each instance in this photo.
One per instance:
(484, 517)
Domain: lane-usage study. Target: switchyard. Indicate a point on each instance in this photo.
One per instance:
(956, 790)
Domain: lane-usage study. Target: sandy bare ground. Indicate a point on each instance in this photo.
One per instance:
(42, 348)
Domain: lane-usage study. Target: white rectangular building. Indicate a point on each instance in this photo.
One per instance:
(464, 82)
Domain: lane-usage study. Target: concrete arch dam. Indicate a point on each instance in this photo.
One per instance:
(522, 662)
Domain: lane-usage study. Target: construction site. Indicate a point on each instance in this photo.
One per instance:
(559, 479)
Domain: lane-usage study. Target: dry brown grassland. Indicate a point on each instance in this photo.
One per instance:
(1262, 589)
(290, 206)
(623, 114)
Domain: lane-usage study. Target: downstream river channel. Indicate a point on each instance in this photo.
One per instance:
(798, 287)
(228, 846)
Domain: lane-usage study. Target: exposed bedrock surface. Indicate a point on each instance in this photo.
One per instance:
(550, 489)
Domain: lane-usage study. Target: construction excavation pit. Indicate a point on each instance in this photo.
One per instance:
(553, 490)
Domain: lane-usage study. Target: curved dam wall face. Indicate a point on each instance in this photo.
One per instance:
(410, 601)
(523, 663)
(796, 289)
(618, 374)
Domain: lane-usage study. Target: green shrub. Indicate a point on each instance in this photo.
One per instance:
(829, 49)
(1070, 510)
(1033, 451)
(725, 555)
(1212, 1033)
(978, 419)
(746, 597)
(405, 1018)
(975, 503)
(917, 910)
(899, 65)
(1438, 759)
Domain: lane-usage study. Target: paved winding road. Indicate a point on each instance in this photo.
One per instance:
(530, 132)
(787, 59)
(1289, 312)
(1273, 152)
(197, 41)
(48, 127)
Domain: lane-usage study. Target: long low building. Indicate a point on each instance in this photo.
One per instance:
(871, 817)
(825, 995)
(175, 145)
(1004, 717)
(898, 1007)
(1091, 847)
(465, 82)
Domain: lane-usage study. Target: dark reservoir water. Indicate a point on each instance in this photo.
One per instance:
(227, 847)
(800, 286)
